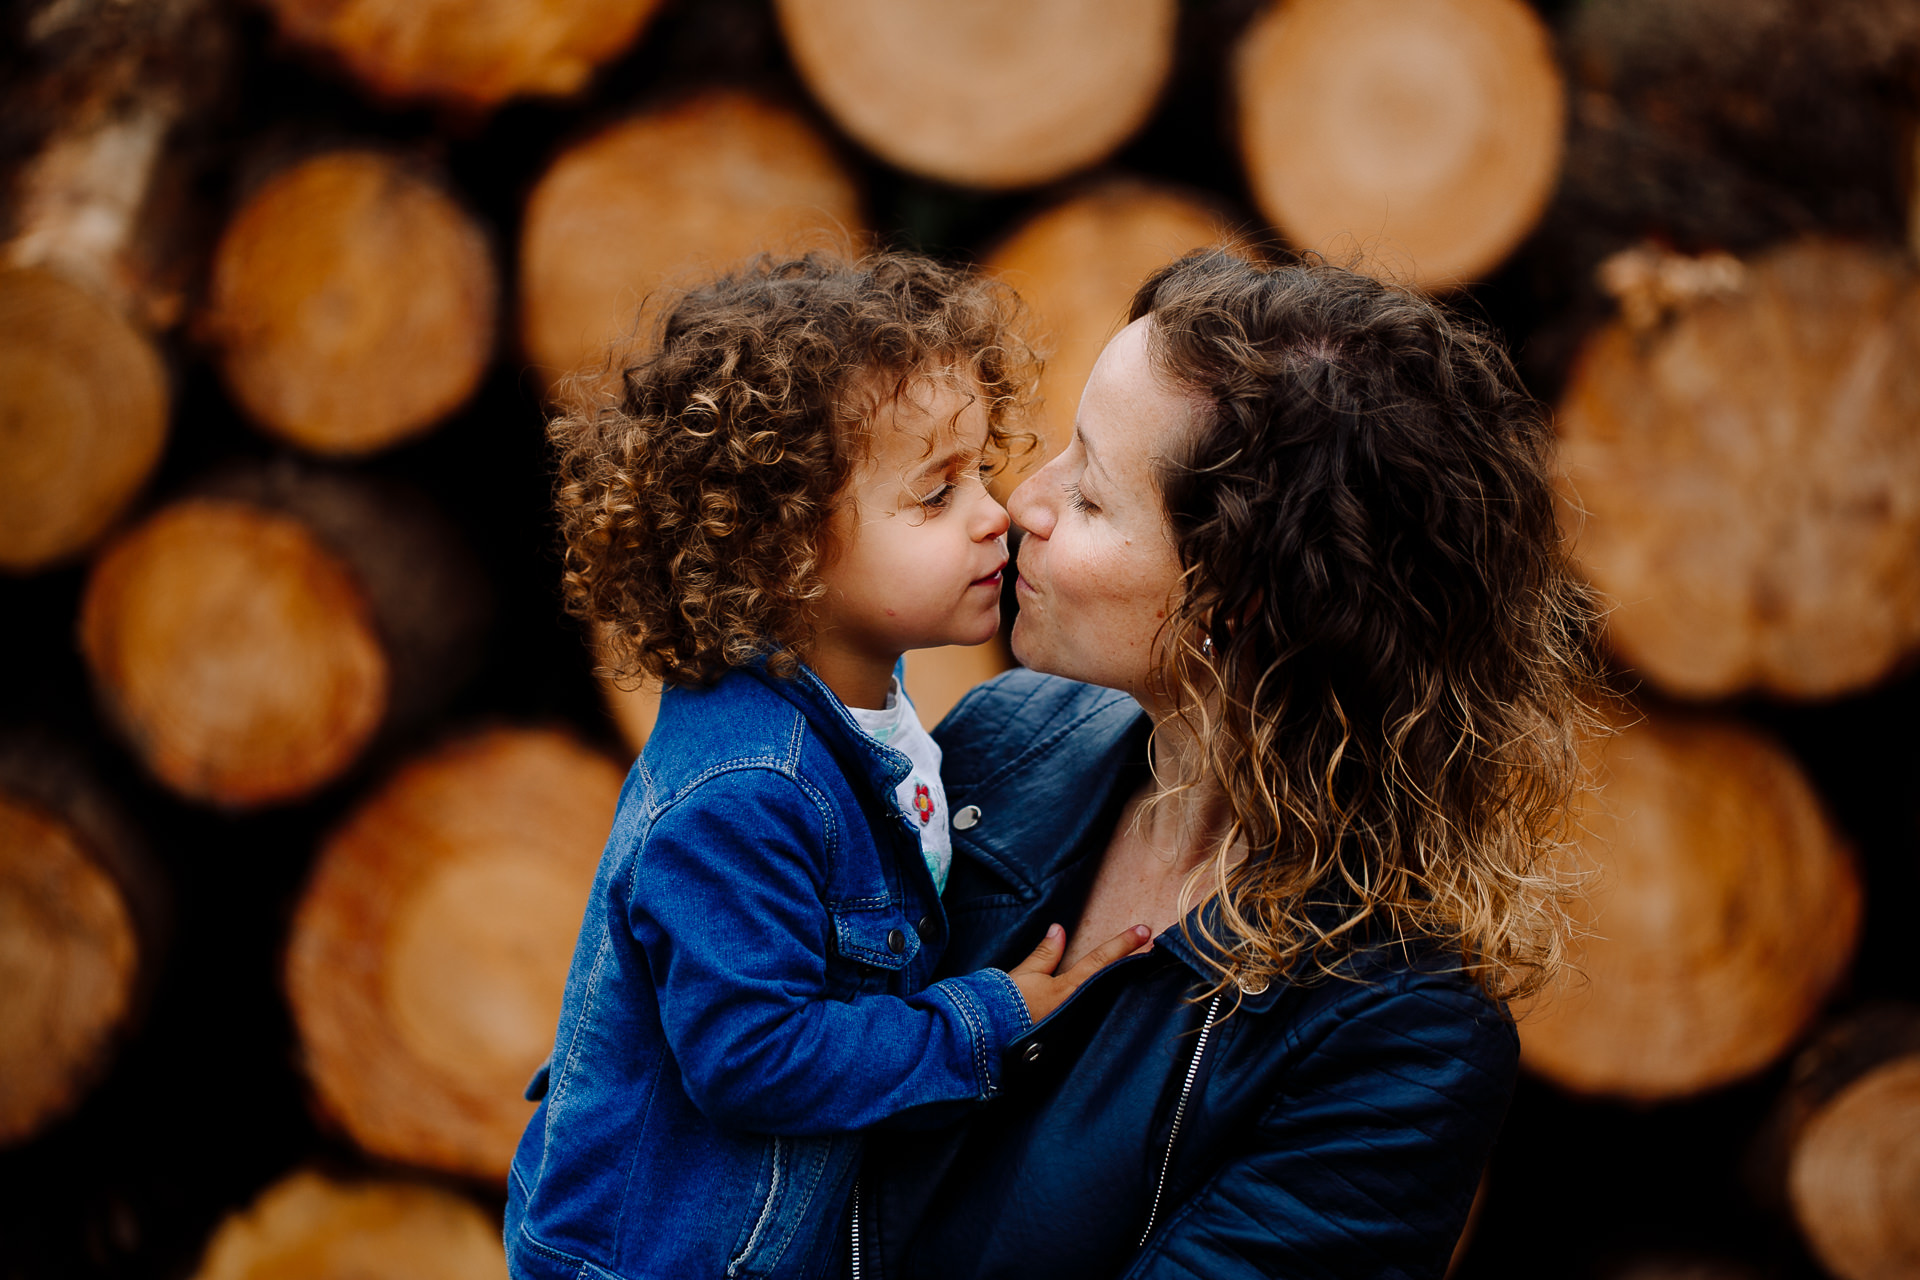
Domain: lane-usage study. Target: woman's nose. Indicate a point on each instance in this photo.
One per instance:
(1027, 506)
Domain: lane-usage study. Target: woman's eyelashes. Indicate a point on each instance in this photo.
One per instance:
(1077, 500)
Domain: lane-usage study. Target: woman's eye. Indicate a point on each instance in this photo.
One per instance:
(1077, 500)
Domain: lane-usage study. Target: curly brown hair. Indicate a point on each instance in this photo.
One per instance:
(695, 502)
(1384, 654)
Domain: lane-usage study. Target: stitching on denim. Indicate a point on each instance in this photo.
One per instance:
(556, 1089)
(766, 1214)
(977, 1034)
(795, 1219)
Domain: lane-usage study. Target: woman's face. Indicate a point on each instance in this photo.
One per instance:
(1098, 568)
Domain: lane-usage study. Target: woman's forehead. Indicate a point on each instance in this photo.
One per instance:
(1128, 414)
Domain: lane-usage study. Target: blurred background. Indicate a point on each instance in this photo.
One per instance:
(304, 772)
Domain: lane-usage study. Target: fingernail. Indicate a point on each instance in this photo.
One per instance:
(1141, 931)
(1054, 931)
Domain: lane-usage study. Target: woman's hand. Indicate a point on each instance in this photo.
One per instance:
(1045, 991)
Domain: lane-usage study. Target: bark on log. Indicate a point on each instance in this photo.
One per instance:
(1422, 135)
(1001, 93)
(83, 417)
(429, 951)
(249, 641)
(468, 54)
(1720, 909)
(1077, 265)
(353, 303)
(662, 200)
(310, 1227)
(83, 918)
(1842, 1148)
(1750, 477)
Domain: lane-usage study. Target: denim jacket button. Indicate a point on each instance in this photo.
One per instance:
(896, 941)
(926, 924)
(1032, 1053)
(966, 818)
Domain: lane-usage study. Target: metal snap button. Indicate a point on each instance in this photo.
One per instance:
(926, 923)
(896, 941)
(1032, 1053)
(967, 818)
(1254, 985)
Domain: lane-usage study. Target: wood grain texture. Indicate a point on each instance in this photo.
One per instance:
(83, 417)
(665, 199)
(236, 653)
(1750, 478)
(429, 951)
(1720, 906)
(993, 93)
(353, 303)
(310, 1227)
(1423, 136)
(472, 54)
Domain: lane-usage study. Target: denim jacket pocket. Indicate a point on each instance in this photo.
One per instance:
(795, 1175)
(880, 936)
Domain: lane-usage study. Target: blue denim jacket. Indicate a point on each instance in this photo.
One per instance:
(749, 990)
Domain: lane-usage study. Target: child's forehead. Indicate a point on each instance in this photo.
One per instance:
(928, 412)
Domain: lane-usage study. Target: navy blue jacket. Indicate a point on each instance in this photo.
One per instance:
(750, 988)
(1332, 1129)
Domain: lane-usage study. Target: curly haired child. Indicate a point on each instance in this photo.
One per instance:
(786, 497)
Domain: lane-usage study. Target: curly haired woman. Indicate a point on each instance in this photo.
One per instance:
(1313, 668)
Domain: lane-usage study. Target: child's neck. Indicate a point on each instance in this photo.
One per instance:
(857, 679)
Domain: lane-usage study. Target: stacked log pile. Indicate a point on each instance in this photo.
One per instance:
(304, 774)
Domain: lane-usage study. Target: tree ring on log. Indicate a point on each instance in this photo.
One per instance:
(83, 416)
(994, 93)
(70, 958)
(236, 653)
(1854, 1178)
(1745, 481)
(1719, 909)
(1423, 136)
(665, 199)
(468, 53)
(430, 948)
(308, 1227)
(353, 303)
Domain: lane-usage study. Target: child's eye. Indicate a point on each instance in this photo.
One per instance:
(938, 498)
(1078, 500)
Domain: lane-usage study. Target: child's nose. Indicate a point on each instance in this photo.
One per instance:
(993, 522)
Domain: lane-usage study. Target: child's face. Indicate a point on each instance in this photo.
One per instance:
(918, 541)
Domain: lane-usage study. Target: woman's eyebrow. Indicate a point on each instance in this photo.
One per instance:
(1093, 459)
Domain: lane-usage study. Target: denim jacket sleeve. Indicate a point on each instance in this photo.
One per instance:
(1368, 1163)
(725, 900)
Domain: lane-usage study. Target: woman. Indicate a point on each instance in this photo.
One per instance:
(1312, 660)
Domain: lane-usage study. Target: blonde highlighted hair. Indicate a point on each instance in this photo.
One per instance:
(1379, 646)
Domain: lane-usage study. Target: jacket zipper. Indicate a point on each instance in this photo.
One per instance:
(1166, 1161)
(853, 1271)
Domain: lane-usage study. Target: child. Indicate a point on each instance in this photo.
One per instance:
(788, 497)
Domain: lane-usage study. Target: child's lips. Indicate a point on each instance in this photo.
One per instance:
(992, 579)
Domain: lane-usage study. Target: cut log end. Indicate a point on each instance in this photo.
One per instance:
(603, 234)
(1421, 140)
(353, 303)
(1745, 479)
(70, 955)
(430, 949)
(473, 54)
(986, 94)
(237, 653)
(1854, 1177)
(1720, 908)
(83, 415)
(1076, 265)
(308, 1227)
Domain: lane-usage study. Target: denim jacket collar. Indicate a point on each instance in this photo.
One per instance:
(881, 766)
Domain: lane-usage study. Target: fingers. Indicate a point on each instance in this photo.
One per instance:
(1046, 955)
(1118, 947)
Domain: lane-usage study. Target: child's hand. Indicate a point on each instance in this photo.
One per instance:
(1044, 990)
